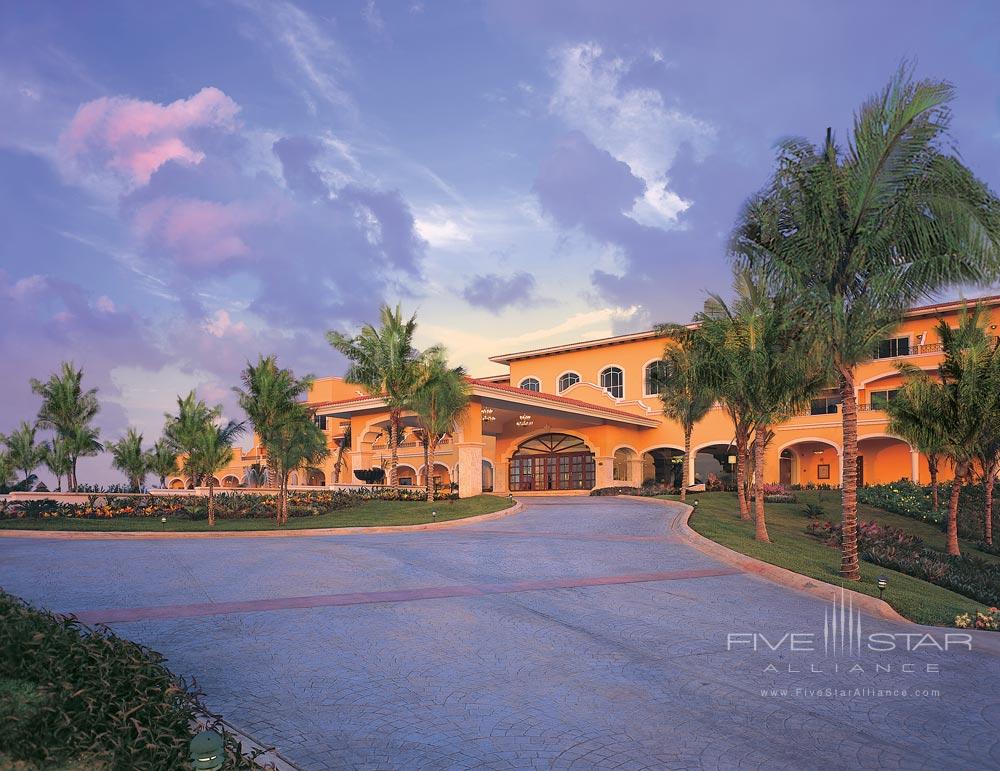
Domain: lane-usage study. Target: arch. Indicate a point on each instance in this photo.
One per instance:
(612, 379)
(664, 465)
(441, 475)
(488, 476)
(715, 463)
(552, 461)
(884, 458)
(230, 481)
(810, 460)
(566, 380)
(315, 478)
(648, 369)
(624, 462)
(407, 475)
(530, 383)
(177, 483)
(214, 481)
(293, 478)
(512, 449)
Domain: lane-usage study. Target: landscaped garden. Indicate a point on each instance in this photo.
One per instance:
(371, 507)
(924, 583)
(74, 698)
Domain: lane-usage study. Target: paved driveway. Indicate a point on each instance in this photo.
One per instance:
(576, 634)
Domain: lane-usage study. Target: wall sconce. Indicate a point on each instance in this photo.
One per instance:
(525, 420)
(731, 460)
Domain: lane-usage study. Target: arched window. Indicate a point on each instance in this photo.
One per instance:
(656, 373)
(568, 379)
(531, 384)
(613, 381)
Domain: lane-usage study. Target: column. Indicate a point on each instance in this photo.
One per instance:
(604, 471)
(501, 477)
(470, 469)
(635, 472)
(689, 479)
(915, 467)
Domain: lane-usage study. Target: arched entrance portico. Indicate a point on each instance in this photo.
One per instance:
(883, 459)
(809, 461)
(715, 464)
(663, 465)
(552, 462)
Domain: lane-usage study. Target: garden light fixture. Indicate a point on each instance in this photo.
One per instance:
(208, 751)
(163, 521)
(882, 582)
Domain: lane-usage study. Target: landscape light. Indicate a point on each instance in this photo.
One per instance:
(881, 582)
(163, 521)
(208, 751)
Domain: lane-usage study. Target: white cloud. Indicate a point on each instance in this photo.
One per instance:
(633, 124)
(443, 234)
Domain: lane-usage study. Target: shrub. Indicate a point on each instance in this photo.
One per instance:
(78, 691)
(621, 490)
(814, 511)
(990, 620)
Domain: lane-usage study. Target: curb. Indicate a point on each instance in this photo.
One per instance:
(988, 642)
(264, 756)
(108, 535)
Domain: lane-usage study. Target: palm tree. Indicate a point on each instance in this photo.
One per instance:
(861, 233)
(69, 410)
(57, 460)
(211, 452)
(128, 457)
(686, 394)
(255, 476)
(296, 442)
(914, 415)
(439, 402)
(162, 461)
(25, 454)
(967, 391)
(989, 459)
(183, 431)
(343, 446)
(6, 471)
(385, 363)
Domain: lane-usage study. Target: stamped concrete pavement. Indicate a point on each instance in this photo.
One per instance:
(577, 634)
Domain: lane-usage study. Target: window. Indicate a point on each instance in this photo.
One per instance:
(879, 400)
(893, 347)
(613, 381)
(531, 384)
(824, 406)
(320, 420)
(568, 379)
(656, 374)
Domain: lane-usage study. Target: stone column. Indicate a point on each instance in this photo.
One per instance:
(635, 472)
(604, 471)
(470, 469)
(501, 477)
(915, 466)
(690, 464)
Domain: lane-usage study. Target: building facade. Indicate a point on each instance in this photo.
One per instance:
(584, 415)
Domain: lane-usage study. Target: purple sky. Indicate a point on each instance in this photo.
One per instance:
(185, 185)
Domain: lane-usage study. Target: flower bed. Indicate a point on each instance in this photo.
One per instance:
(74, 692)
(896, 549)
(231, 505)
(648, 491)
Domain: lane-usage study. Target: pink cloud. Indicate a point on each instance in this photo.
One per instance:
(134, 138)
(198, 232)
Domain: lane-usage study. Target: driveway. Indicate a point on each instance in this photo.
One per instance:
(576, 634)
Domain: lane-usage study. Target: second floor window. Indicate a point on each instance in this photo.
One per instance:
(824, 406)
(613, 381)
(656, 373)
(568, 379)
(531, 384)
(893, 347)
(879, 400)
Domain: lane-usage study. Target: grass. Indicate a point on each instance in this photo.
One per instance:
(717, 518)
(367, 514)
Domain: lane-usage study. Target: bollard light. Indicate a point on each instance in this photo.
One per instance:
(881, 582)
(208, 751)
(434, 515)
(163, 521)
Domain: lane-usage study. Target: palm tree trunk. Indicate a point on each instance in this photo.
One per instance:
(283, 510)
(932, 467)
(71, 477)
(687, 462)
(394, 447)
(211, 503)
(956, 489)
(741, 471)
(988, 523)
(429, 449)
(850, 569)
(760, 530)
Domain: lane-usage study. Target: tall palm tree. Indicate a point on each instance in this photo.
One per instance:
(861, 233)
(162, 461)
(6, 471)
(211, 452)
(988, 456)
(69, 410)
(57, 460)
(967, 390)
(343, 446)
(914, 415)
(440, 400)
(685, 391)
(25, 453)
(128, 457)
(296, 442)
(183, 431)
(385, 363)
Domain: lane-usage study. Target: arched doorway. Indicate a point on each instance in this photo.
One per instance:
(811, 462)
(552, 462)
(786, 467)
(230, 481)
(663, 465)
(623, 465)
(715, 464)
(315, 478)
(407, 475)
(883, 459)
(487, 477)
(176, 484)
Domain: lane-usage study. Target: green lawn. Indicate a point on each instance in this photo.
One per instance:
(368, 514)
(717, 518)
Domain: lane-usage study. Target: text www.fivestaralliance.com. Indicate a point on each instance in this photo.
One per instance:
(850, 693)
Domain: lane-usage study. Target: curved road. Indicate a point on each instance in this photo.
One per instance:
(576, 634)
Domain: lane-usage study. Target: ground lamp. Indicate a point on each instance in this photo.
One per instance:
(208, 751)
(881, 582)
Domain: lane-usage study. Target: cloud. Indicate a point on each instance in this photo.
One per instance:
(134, 138)
(298, 157)
(633, 124)
(495, 292)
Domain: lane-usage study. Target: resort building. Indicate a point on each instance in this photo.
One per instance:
(583, 415)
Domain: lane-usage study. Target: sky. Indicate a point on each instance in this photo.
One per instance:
(186, 185)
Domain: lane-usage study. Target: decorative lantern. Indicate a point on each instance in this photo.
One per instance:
(208, 751)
